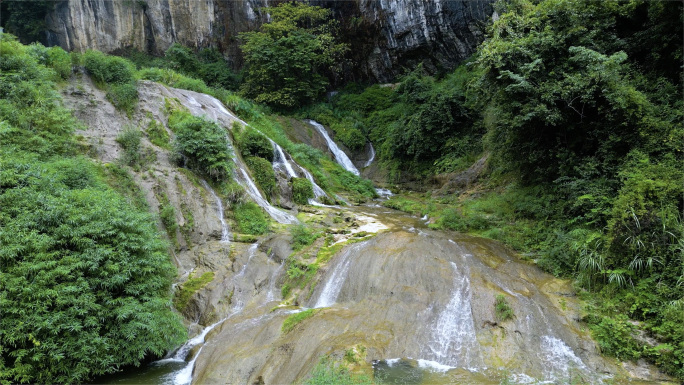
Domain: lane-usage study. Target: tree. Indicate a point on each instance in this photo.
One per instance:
(288, 58)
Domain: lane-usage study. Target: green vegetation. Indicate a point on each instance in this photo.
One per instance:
(201, 145)
(503, 310)
(264, 175)
(288, 59)
(206, 65)
(294, 319)
(302, 190)
(157, 134)
(330, 372)
(116, 75)
(253, 143)
(190, 287)
(250, 219)
(302, 236)
(84, 274)
(133, 154)
(25, 19)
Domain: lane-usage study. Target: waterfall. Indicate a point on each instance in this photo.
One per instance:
(371, 158)
(225, 232)
(453, 334)
(242, 177)
(333, 285)
(340, 156)
(271, 296)
(280, 161)
(214, 109)
(251, 251)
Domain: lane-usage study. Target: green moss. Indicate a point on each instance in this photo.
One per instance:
(303, 236)
(190, 287)
(294, 319)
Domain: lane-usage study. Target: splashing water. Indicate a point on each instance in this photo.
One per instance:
(333, 286)
(371, 158)
(225, 232)
(340, 156)
(453, 336)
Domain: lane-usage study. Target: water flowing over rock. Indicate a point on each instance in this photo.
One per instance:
(371, 157)
(340, 157)
(225, 231)
(390, 295)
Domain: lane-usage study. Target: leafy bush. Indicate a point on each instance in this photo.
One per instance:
(88, 273)
(123, 96)
(254, 143)
(614, 336)
(157, 134)
(109, 69)
(263, 175)
(117, 75)
(202, 145)
(129, 140)
(302, 190)
(250, 219)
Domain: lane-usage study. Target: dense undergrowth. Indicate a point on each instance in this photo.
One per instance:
(85, 276)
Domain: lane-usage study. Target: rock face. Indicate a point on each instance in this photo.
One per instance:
(383, 33)
(422, 295)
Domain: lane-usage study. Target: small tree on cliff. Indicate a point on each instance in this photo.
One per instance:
(287, 59)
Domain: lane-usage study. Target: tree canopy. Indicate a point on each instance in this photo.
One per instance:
(288, 59)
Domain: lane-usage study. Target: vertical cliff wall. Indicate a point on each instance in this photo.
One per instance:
(386, 35)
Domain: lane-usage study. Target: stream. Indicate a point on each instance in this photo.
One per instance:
(418, 303)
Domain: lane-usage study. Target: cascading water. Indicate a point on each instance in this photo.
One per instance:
(271, 296)
(453, 334)
(212, 108)
(225, 232)
(242, 177)
(340, 156)
(280, 161)
(334, 284)
(371, 158)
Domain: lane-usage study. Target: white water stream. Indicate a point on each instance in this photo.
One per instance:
(335, 281)
(340, 156)
(225, 231)
(371, 158)
(453, 340)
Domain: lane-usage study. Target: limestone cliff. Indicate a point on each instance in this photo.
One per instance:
(386, 35)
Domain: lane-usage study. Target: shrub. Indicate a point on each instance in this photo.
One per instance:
(302, 190)
(202, 145)
(129, 140)
(263, 175)
(123, 96)
(250, 219)
(254, 143)
(109, 69)
(503, 310)
(83, 272)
